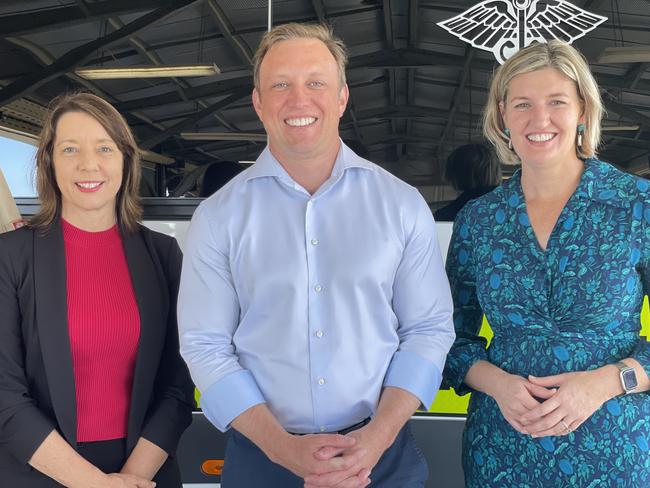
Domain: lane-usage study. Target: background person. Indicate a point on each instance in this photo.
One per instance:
(472, 169)
(217, 175)
(93, 391)
(558, 259)
(313, 297)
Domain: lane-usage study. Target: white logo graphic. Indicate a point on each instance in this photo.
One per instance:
(506, 26)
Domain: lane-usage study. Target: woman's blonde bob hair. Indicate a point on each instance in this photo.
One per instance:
(128, 208)
(568, 61)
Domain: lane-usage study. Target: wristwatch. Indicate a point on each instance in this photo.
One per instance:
(628, 377)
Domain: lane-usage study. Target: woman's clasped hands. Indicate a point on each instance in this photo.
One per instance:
(552, 405)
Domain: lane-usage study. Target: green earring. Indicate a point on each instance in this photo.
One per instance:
(581, 131)
(506, 131)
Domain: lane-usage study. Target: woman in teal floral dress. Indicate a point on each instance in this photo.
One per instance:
(558, 259)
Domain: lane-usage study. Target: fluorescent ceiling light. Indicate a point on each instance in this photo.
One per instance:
(165, 71)
(620, 128)
(630, 54)
(223, 136)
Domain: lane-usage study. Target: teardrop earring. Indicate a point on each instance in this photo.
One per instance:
(581, 131)
(506, 131)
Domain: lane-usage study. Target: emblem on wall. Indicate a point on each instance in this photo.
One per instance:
(506, 26)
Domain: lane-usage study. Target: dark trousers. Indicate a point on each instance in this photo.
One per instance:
(246, 466)
(109, 456)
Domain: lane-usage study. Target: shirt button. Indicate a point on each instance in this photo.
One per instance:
(314, 242)
(318, 288)
(321, 381)
(319, 333)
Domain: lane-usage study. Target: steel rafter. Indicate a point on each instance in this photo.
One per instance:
(76, 56)
(48, 19)
(46, 58)
(226, 29)
(183, 85)
(469, 56)
(193, 119)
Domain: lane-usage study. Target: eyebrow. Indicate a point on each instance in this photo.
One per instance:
(76, 142)
(552, 95)
(286, 74)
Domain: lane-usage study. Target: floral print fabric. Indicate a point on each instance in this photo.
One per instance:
(573, 307)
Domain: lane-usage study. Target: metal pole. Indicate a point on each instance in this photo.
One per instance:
(270, 17)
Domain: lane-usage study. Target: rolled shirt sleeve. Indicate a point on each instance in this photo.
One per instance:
(423, 306)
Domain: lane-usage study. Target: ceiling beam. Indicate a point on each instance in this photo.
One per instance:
(413, 22)
(153, 57)
(319, 8)
(612, 105)
(399, 111)
(76, 56)
(460, 90)
(355, 124)
(53, 18)
(120, 54)
(392, 82)
(214, 89)
(395, 139)
(388, 23)
(44, 57)
(412, 43)
(193, 119)
(449, 84)
(84, 8)
(635, 74)
(226, 29)
(413, 58)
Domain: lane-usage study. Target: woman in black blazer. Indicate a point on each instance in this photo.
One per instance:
(88, 176)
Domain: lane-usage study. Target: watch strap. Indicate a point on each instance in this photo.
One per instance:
(622, 366)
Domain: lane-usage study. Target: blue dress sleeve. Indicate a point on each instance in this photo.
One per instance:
(469, 347)
(642, 350)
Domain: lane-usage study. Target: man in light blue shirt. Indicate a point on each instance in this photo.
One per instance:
(313, 296)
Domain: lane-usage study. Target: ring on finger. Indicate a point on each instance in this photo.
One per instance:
(566, 427)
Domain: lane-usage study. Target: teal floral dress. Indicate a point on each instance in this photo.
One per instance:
(573, 307)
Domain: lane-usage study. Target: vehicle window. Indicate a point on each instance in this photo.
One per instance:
(17, 165)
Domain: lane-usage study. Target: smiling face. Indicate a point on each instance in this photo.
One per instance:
(543, 111)
(88, 167)
(300, 100)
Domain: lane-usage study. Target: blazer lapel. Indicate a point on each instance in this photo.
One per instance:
(52, 320)
(152, 305)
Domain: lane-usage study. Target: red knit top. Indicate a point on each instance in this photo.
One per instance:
(104, 328)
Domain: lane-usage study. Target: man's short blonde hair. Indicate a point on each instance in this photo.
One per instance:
(568, 61)
(293, 30)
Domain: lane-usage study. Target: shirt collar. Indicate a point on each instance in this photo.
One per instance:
(267, 166)
(596, 183)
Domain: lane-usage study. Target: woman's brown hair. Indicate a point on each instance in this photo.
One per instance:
(127, 208)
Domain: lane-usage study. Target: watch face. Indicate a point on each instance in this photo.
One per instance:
(629, 379)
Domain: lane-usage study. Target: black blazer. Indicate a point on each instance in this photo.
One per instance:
(37, 390)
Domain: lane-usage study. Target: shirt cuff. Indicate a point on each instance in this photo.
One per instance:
(229, 397)
(415, 374)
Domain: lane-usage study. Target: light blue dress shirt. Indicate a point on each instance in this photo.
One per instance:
(313, 303)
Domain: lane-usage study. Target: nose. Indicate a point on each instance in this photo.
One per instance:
(299, 95)
(540, 115)
(88, 160)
